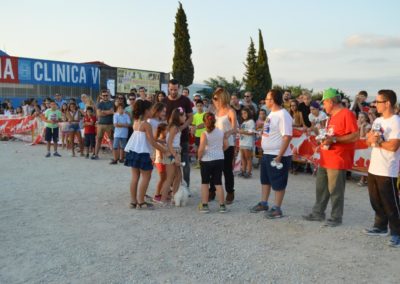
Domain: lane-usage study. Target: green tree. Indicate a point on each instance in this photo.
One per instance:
(295, 90)
(219, 81)
(250, 76)
(264, 80)
(182, 67)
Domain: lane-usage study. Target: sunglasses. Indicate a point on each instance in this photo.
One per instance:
(132, 99)
(247, 96)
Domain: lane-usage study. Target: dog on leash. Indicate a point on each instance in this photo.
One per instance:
(181, 196)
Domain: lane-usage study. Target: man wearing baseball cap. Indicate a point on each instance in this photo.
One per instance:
(336, 157)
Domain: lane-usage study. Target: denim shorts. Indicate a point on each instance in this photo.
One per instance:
(74, 127)
(119, 143)
(270, 175)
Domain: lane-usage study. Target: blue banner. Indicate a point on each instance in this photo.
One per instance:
(44, 72)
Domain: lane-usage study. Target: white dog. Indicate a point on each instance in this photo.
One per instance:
(181, 196)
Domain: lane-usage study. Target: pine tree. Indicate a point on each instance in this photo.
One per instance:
(250, 77)
(182, 67)
(264, 80)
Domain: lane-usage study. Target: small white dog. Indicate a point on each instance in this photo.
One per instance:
(181, 196)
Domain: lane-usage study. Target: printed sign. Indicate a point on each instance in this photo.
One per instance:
(8, 69)
(130, 78)
(44, 72)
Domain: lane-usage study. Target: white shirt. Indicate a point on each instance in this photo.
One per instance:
(247, 140)
(317, 120)
(223, 123)
(383, 162)
(214, 148)
(277, 125)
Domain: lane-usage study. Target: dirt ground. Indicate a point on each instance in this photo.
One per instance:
(66, 220)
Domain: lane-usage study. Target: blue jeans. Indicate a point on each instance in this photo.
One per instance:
(185, 158)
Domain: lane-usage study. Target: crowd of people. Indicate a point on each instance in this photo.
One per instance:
(154, 131)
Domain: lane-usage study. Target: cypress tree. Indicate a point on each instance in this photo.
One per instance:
(250, 76)
(264, 80)
(182, 67)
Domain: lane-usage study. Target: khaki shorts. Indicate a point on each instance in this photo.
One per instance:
(169, 160)
(105, 128)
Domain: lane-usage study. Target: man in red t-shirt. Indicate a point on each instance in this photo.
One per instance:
(336, 157)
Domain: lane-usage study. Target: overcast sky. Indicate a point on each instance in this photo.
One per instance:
(351, 45)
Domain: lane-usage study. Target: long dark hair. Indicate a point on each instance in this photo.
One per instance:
(140, 107)
(174, 120)
(160, 129)
(158, 107)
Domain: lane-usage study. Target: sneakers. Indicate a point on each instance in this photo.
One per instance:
(247, 175)
(48, 155)
(222, 208)
(203, 208)
(258, 208)
(332, 223)
(56, 154)
(94, 157)
(274, 213)
(394, 241)
(241, 174)
(230, 196)
(314, 217)
(375, 232)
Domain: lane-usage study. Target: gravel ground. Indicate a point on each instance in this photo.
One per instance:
(66, 220)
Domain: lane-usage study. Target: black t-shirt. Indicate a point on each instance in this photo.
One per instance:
(184, 103)
(305, 111)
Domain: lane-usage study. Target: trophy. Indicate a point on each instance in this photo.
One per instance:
(276, 165)
(378, 132)
(323, 134)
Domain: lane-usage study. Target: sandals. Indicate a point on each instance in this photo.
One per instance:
(144, 206)
(132, 205)
(362, 184)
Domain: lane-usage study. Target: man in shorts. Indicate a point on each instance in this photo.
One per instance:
(105, 113)
(277, 156)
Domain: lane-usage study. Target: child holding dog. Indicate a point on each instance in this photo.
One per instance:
(211, 156)
(172, 159)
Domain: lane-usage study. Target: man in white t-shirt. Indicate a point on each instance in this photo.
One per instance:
(277, 156)
(384, 138)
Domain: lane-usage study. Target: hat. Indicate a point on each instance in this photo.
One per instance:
(329, 94)
(315, 105)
